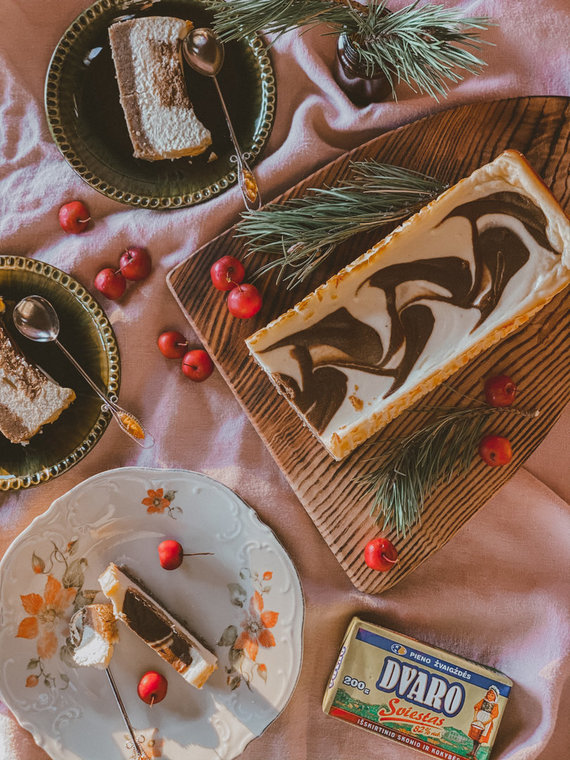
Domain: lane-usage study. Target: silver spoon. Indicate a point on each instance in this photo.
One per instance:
(204, 52)
(140, 754)
(36, 319)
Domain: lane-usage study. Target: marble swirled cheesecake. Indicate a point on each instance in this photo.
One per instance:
(28, 398)
(145, 616)
(458, 276)
(152, 89)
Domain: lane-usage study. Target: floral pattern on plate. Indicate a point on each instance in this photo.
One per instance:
(256, 623)
(157, 502)
(48, 613)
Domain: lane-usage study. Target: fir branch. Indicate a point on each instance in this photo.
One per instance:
(237, 19)
(410, 469)
(426, 46)
(301, 233)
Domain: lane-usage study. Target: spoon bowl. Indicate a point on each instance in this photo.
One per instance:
(36, 319)
(203, 51)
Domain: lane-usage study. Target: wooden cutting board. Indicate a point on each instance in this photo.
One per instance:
(449, 146)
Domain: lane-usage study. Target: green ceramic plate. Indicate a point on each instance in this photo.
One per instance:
(86, 332)
(87, 122)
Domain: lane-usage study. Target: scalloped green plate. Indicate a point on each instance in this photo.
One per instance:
(87, 123)
(87, 333)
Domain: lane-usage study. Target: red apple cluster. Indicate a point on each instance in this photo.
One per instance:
(196, 364)
(495, 450)
(134, 264)
(244, 300)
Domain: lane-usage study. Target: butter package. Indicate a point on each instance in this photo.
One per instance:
(421, 696)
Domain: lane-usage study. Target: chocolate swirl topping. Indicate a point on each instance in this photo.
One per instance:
(341, 341)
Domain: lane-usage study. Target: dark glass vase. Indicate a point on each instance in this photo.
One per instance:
(350, 73)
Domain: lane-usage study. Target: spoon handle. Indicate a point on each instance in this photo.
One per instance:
(247, 183)
(140, 753)
(127, 422)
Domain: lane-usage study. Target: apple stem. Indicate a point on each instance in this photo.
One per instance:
(84, 221)
(199, 554)
(152, 701)
(388, 559)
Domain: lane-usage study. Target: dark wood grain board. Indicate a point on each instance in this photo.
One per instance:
(449, 146)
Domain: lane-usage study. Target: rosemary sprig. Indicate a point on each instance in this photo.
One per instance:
(425, 46)
(414, 464)
(300, 233)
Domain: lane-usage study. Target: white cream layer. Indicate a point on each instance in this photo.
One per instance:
(169, 129)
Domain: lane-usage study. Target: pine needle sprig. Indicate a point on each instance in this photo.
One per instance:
(237, 19)
(426, 46)
(410, 469)
(301, 233)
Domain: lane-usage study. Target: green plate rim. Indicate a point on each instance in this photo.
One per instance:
(111, 348)
(58, 132)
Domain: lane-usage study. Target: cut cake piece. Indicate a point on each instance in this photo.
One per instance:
(28, 399)
(460, 275)
(145, 616)
(93, 634)
(148, 64)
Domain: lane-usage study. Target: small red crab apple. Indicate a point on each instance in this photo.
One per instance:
(74, 217)
(112, 284)
(197, 365)
(172, 344)
(380, 554)
(152, 687)
(226, 273)
(495, 450)
(135, 263)
(244, 301)
(171, 554)
(500, 390)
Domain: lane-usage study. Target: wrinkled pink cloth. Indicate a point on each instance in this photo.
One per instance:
(498, 591)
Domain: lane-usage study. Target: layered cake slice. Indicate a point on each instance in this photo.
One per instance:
(461, 274)
(93, 634)
(152, 89)
(28, 399)
(145, 616)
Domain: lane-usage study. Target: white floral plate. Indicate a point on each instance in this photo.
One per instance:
(245, 601)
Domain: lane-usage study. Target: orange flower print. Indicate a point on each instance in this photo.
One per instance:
(44, 616)
(156, 501)
(256, 626)
(31, 681)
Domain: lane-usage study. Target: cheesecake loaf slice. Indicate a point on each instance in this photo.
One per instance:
(93, 634)
(145, 616)
(461, 274)
(152, 89)
(28, 399)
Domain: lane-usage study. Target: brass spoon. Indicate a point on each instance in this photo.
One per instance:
(36, 319)
(204, 52)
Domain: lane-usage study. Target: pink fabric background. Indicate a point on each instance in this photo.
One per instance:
(498, 591)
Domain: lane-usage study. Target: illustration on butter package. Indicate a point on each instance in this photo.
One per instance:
(436, 702)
